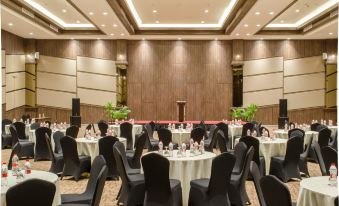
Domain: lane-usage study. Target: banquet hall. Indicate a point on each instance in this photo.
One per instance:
(169, 103)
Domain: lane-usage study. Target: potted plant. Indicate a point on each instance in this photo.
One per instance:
(245, 113)
(119, 113)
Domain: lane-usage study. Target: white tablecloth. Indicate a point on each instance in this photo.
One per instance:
(271, 148)
(280, 133)
(234, 130)
(189, 168)
(90, 147)
(28, 127)
(315, 191)
(35, 174)
(137, 129)
(333, 130)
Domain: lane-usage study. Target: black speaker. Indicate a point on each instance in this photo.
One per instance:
(75, 107)
(76, 121)
(283, 108)
(282, 121)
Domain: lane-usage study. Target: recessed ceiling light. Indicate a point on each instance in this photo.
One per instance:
(64, 11)
(122, 34)
(78, 22)
(143, 39)
(330, 33)
(206, 11)
(202, 22)
(282, 21)
(91, 13)
(248, 34)
(154, 11)
(245, 25)
(216, 39)
(297, 10)
(157, 21)
(98, 38)
(261, 38)
(103, 25)
(72, 38)
(258, 25)
(31, 33)
(112, 34)
(10, 24)
(271, 13)
(104, 13)
(115, 25)
(179, 38)
(237, 34)
(257, 13)
(288, 38)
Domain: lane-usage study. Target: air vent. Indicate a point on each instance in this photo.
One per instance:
(308, 28)
(25, 11)
(334, 13)
(54, 28)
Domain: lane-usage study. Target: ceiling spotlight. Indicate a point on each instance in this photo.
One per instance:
(64, 11)
(288, 38)
(115, 25)
(78, 22)
(330, 33)
(202, 22)
(122, 34)
(282, 21)
(143, 39)
(258, 25)
(297, 10)
(157, 21)
(31, 33)
(245, 25)
(103, 25)
(10, 24)
(112, 34)
(206, 11)
(154, 11)
(98, 38)
(248, 34)
(271, 13)
(261, 38)
(257, 13)
(216, 39)
(91, 13)
(179, 38)
(104, 13)
(237, 34)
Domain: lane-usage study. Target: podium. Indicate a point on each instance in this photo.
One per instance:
(181, 111)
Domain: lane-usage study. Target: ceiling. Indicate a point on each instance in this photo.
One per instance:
(170, 19)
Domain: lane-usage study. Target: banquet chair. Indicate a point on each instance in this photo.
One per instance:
(256, 176)
(334, 142)
(57, 163)
(56, 138)
(34, 191)
(103, 127)
(25, 117)
(106, 150)
(152, 143)
(21, 130)
(319, 158)
(297, 132)
(287, 167)
(237, 192)
(212, 139)
(49, 123)
(314, 126)
(330, 156)
(213, 191)
(261, 129)
(336, 202)
(255, 143)
(222, 143)
(245, 127)
(88, 127)
(99, 164)
(41, 150)
(35, 126)
(6, 139)
(239, 153)
(126, 129)
(27, 147)
(132, 190)
(74, 165)
(15, 150)
(165, 136)
(134, 157)
(197, 134)
(303, 158)
(72, 131)
(275, 192)
(320, 127)
(324, 137)
(224, 128)
(160, 190)
(291, 124)
(153, 125)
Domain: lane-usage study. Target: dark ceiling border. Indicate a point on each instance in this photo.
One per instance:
(122, 15)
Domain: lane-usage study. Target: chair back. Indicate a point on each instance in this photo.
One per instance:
(20, 129)
(314, 126)
(98, 164)
(297, 132)
(88, 127)
(213, 137)
(121, 148)
(121, 161)
(41, 149)
(222, 143)
(70, 151)
(165, 135)
(103, 127)
(72, 131)
(275, 192)
(106, 150)
(56, 138)
(255, 143)
(35, 126)
(156, 171)
(330, 156)
(49, 147)
(261, 131)
(245, 127)
(35, 192)
(211, 131)
(320, 127)
(15, 150)
(221, 172)
(319, 158)
(4, 123)
(240, 154)
(99, 186)
(148, 128)
(255, 174)
(197, 134)
(293, 150)
(14, 134)
(224, 128)
(126, 129)
(153, 125)
(140, 144)
(324, 137)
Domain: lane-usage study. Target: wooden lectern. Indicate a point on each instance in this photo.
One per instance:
(181, 110)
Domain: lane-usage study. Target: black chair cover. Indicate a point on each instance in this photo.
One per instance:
(126, 129)
(106, 150)
(41, 148)
(275, 192)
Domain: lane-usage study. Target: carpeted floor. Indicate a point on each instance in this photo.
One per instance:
(112, 187)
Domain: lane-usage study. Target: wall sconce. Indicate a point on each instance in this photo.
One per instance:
(31, 58)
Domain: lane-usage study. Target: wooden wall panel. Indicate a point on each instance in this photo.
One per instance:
(12, 43)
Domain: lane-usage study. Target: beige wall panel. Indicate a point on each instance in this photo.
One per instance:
(263, 66)
(56, 82)
(262, 98)
(304, 82)
(305, 99)
(54, 98)
(30, 98)
(15, 63)
(3, 58)
(93, 65)
(3, 74)
(264, 81)
(57, 65)
(331, 99)
(15, 99)
(331, 82)
(303, 66)
(331, 68)
(3, 95)
(15, 81)
(96, 81)
(30, 68)
(30, 82)
(95, 97)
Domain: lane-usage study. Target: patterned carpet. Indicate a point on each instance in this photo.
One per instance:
(112, 187)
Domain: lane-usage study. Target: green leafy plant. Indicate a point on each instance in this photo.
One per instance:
(245, 113)
(119, 113)
(237, 113)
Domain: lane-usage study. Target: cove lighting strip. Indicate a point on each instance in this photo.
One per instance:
(308, 17)
(55, 18)
(220, 23)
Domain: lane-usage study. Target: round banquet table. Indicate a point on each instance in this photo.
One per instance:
(27, 128)
(280, 133)
(32, 137)
(234, 130)
(270, 148)
(137, 129)
(34, 174)
(90, 147)
(315, 191)
(333, 130)
(189, 168)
